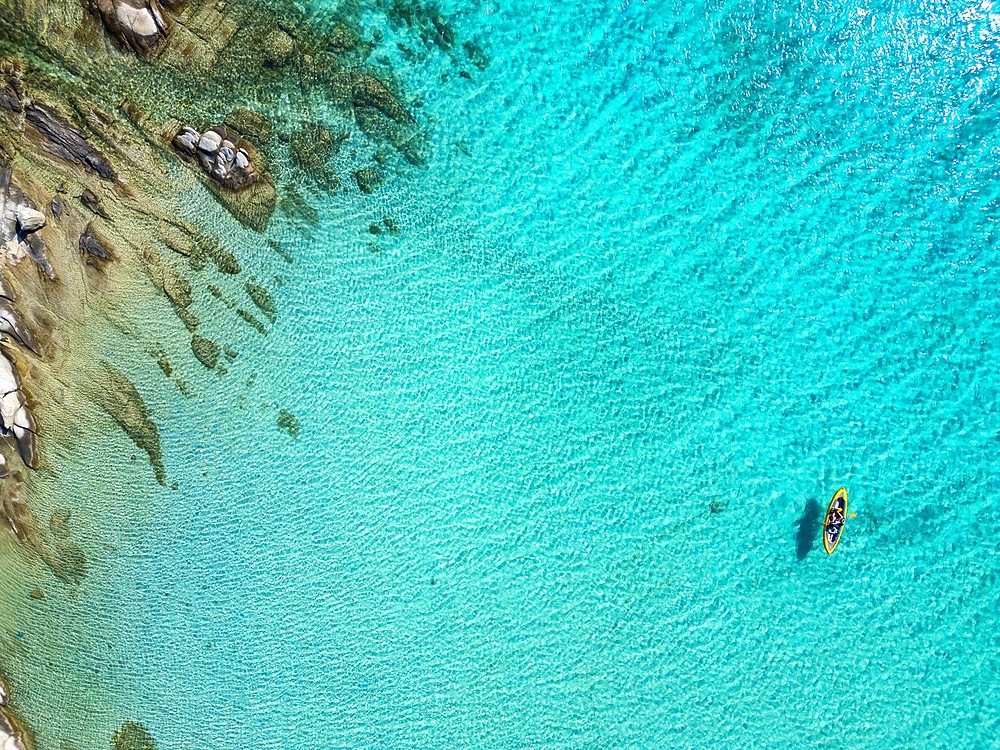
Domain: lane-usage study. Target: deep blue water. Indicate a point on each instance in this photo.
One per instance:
(665, 259)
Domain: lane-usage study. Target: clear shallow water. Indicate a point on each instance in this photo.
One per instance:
(663, 256)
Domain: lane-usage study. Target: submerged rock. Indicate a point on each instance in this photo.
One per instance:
(342, 39)
(250, 320)
(288, 422)
(368, 91)
(408, 140)
(313, 146)
(132, 736)
(120, 399)
(368, 180)
(206, 350)
(250, 123)
(224, 260)
(263, 300)
(476, 55)
(168, 280)
(278, 49)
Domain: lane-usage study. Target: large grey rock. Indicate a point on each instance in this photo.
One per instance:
(138, 25)
(13, 325)
(29, 219)
(210, 142)
(15, 415)
(19, 220)
(10, 738)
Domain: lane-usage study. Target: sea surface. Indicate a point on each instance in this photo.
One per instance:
(673, 274)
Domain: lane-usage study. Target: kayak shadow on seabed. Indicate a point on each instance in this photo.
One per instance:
(808, 523)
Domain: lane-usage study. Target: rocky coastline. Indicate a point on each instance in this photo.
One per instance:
(111, 112)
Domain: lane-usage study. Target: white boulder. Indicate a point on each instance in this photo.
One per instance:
(210, 142)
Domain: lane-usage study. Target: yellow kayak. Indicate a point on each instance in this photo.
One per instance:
(833, 524)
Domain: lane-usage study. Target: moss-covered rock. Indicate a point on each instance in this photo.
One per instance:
(277, 49)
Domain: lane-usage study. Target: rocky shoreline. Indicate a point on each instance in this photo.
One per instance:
(111, 113)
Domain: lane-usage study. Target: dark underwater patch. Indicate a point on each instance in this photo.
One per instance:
(808, 524)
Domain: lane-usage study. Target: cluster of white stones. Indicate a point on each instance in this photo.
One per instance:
(19, 220)
(18, 217)
(221, 154)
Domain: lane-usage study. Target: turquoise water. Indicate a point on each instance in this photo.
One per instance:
(665, 260)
